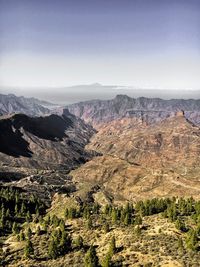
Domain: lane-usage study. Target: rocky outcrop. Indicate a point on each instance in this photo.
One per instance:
(150, 110)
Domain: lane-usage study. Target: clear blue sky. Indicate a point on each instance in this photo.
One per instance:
(145, 43)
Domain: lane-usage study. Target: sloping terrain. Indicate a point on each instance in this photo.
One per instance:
(51, 142)
(166, 143)
(30, 106)
(150, 110)
(157, 232)
(141, 161)
(76, 171)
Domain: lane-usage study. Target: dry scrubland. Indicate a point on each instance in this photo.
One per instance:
(153, 241)
(89, 220)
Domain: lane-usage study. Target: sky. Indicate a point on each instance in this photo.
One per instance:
(142, 43)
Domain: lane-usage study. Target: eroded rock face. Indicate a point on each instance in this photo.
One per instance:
(143, 148)
(167, 143)
(143, 161)
(150, 110)
(51, 142)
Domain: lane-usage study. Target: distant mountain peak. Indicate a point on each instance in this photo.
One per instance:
(150, 110)
(121, 96)
(96, 84)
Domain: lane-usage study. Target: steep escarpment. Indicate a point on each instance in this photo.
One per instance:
(150, 110)
(50, 142)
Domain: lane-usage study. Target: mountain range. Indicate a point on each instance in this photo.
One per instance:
(96, 112)
(126, 148)
(117, 162)
(149, 110)
(85, 92)
(19, 104)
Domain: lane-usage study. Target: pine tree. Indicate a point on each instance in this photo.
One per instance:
(89, 223)
(28, 217)
(2, 257)
(72, 213)
(23, 208)
(79, 242)
(96, 208)
(86, 212)
(15, 228)
(127, 219)
(8, 214)
(107, 261)
(62, 225)
(112, 248)
(28, 250)
(37, 211)
(114, 216)
(106, 227)
(57, 234)
(65, 243)
(53, 249)
(28, 233)
(138, 220)
(48, 220)
(38, 230)
(106, 209)
(192, 240)
(2, 221)
(55, 221)
(66, 213)
(16, 209)
(91, 259)
(18, 238)
(21, 236)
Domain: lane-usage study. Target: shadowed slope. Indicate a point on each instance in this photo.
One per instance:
(44, 141)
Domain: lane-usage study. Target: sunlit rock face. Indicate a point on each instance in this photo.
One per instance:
(143, 161)
(150, 110)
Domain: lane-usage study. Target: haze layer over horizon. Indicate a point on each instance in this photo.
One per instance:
(147, 44)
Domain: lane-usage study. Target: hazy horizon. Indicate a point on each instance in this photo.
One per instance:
(78, 93)
(141, 43)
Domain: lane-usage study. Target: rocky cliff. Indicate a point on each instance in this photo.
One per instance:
(150, 110)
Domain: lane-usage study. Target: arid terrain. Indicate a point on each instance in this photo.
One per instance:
(100, 133)
(62, 179)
